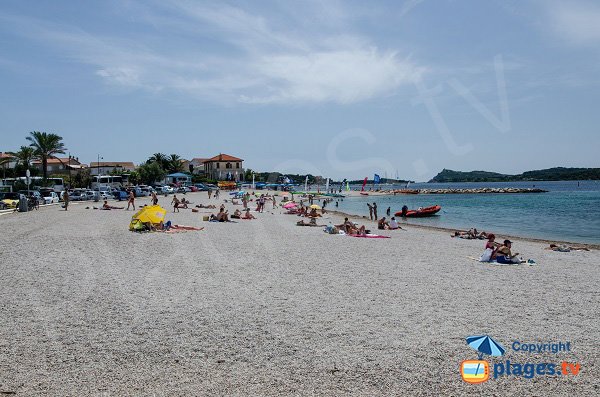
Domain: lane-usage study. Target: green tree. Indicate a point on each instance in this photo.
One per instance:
(174, 164)
(46, 146)
(161, 159)
(23, 157)
(151, 172)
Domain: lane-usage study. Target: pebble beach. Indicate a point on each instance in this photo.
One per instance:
(267, 308)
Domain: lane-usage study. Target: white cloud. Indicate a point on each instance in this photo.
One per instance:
(221, 53)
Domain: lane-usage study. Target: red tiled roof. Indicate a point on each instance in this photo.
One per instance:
(198, 160)
(60, 160)
(4, 155)
(222, 157)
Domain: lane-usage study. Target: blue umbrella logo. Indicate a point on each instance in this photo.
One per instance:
(484, 344)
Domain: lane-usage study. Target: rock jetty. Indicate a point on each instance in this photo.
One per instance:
(482, 190)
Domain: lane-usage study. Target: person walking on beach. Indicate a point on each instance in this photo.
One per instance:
(154, 198)
(370, 211)
(131, 200)
(209, 193)
(175, 203)
(66, 199)
(375, 210)
(217, 193)
(274, 203)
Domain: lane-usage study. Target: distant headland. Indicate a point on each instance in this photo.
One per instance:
(549, 174)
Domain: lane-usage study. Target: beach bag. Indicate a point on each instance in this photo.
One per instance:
(486, 256)
(205, 218)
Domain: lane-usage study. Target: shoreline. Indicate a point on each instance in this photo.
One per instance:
(446, 229)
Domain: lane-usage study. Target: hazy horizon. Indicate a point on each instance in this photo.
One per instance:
(339, 89)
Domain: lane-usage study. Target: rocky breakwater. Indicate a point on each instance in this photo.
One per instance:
(482, 190)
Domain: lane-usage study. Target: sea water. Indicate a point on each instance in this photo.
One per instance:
(570, 211)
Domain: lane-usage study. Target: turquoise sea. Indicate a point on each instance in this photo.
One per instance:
(570, 211)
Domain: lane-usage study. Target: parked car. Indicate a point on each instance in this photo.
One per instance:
(49, 196)
(201, 187)
(10, 199)
(137, 192)
(193, 188)
(120, 195)
(144, 190)
(166, 190)
(105, 195)
(92, 194)
(77, 195)
(183, 189)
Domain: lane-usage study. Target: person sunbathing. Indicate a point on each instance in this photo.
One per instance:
(248, 215)
(312, 222)
(107, 207)
(210, 206)
(565, 248)
(237, 214)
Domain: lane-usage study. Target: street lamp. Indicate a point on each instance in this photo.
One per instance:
(98, 172)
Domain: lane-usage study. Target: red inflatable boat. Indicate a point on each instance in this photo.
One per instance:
(429, 211)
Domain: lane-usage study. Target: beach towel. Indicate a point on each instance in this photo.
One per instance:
(486, 256)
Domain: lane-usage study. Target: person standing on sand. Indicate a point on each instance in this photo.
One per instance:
(209, 191)
(175, 203)
(66, 199)
(375, 210)
(389, 211)
(154, 198)
(274, 203)
(131, 200)
(217, 193)
(370, 211)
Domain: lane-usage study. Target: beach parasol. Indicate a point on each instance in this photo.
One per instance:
(316, 207)
(290, 205)
(485, 345)
(149, 214)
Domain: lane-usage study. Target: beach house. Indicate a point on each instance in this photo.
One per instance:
(61, 165)
(196, 165)
(224, 168)
(106, 167)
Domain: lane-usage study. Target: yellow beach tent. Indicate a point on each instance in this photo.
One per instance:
(151, 213)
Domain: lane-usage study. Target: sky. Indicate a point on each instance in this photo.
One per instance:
(342, 89)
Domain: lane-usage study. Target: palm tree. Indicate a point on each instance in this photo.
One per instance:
(174, 163)
(46, 146)
(24, 156)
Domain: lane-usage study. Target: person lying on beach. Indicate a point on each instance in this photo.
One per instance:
(565, 248)
(382, 224)
(248, 215)
(210, 206)
(237, 214)
(105, 206)
(505, 256)
(183, 203)
(312, 222)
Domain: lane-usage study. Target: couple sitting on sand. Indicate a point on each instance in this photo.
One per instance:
(348, 227)
(501, 252)
(382, 224)
(247, 215)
